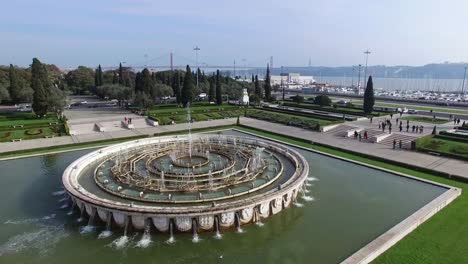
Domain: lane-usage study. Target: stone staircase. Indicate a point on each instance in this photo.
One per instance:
(341, 130)
(405, 140)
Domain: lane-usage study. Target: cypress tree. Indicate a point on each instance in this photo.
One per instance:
(121, 75)
(211, 91)
(267, 85)
(98, 76)
(258, 90)
(146, 81)
(176, 86)
(219, 97)
(369, 99)
(39, 83)
(14, 88)
(138, 82)
(187, 89)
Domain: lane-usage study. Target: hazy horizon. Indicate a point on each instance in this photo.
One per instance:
(69, 34)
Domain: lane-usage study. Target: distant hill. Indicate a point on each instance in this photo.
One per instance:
(435, 71)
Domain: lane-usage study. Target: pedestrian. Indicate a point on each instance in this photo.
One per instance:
(394, 143)
(455, 121)
(355, 134)
(401, 127)
(463, 123)
(360, 136)
(401, 123)
(458, 121)
(399, 144)
(365, 135)
(407, 122)
(391, 116)
(421, 129)
(380, 125)
(414, 127)
(390, 129)
(371, 119)
(383, 127)
(407, 128)
(396, 121)
(125, 118)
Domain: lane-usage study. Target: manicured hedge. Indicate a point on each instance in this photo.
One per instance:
(286, 119)
(453, 135)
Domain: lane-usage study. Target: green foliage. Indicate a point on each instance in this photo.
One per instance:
(219, 98)
(258, 89)
(267, 85)
(40, 85)
(212, 91)
(98, 78)
(322, 100)
(115, 91)
(80, 80)
(298, 99)
(286, 119)
(188, 87)
(369, 99)
(143, 100)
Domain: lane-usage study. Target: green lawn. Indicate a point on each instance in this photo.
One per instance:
(32, 127)
(425, 119)
(165, 115)
(443, 146)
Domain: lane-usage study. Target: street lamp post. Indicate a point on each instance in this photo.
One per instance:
(367, 52)
(463, 84)
(282, 86)
(359, 78)
(196, 49)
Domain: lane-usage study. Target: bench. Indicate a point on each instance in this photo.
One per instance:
(16, 140)
(18, 126)
(434, 153)
(49, 136)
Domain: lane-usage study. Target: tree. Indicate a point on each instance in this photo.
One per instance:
(121, 75)
(267, 85)
(219, 97)
(176, 86)
(81, 79)
(322, 100)
(40, 86)
(115, 78)
(142, 100)
(258, 90)
(147, 84)
(298, 99)
(187, 89)
(212, 91)
(98, 81)
(369, 99)
(14, 88)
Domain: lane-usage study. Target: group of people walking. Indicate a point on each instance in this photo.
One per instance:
(387, 123)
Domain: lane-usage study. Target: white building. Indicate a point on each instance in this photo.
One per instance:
(292, 80)
(245, 98)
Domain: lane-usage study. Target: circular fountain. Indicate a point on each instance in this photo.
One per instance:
(188, 183)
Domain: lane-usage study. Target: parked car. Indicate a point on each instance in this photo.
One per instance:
(412, 111)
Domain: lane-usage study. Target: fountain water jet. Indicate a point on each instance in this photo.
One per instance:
(238, 223)
(216, 225)
(145, 240)
(89, 227)
(107, 233)
(171, 231)
(72, 208)
(195, 238)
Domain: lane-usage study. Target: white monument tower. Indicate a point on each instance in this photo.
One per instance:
(245, 98)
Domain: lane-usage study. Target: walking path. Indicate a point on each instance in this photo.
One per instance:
(437, 163)
(97, 136)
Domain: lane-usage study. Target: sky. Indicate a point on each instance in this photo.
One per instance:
(69, 33)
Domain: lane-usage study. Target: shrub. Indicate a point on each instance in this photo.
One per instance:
(322, 100)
